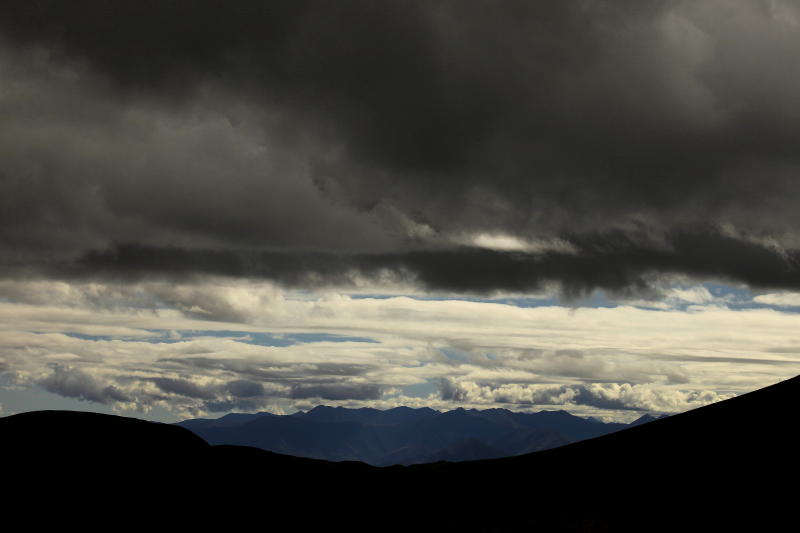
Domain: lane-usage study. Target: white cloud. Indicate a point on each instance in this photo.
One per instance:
(506, 242)
(597, 360)
(607, 396)
(779, 299)
(693, 295)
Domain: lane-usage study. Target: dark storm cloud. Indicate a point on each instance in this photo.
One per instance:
(613, 262)
(411, 124)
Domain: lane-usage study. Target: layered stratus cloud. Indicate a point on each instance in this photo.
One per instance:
(196, 197)
(223, 345)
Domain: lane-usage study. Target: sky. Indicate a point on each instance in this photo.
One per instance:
(587, 205)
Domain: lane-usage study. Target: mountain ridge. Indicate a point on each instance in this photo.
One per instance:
(400, 435)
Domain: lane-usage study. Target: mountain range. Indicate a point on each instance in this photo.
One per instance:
(402, 435)
(728, 466)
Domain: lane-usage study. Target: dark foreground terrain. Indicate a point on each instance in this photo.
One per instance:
(723, 467)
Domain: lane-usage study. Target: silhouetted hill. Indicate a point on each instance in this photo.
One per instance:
(725, 467)
(98, 435)
(92, 470)
(397, 436)
(465, 450)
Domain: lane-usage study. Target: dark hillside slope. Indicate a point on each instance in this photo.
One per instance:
(48, 434)
(722, 467)
(90, 470)
(727, 465)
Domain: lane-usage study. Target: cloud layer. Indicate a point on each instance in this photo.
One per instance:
(221, 345)
(645, 137)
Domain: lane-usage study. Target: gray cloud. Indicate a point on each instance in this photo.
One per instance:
(73, 383)
(610, 396)
(183, 387)
(238, 389)
(179, 394)
(313, 141)
(337, 391)
(449, 391)
(284, 371)
(242, 388)
(586, 396)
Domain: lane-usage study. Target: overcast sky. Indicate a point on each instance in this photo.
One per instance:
(589, 205)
